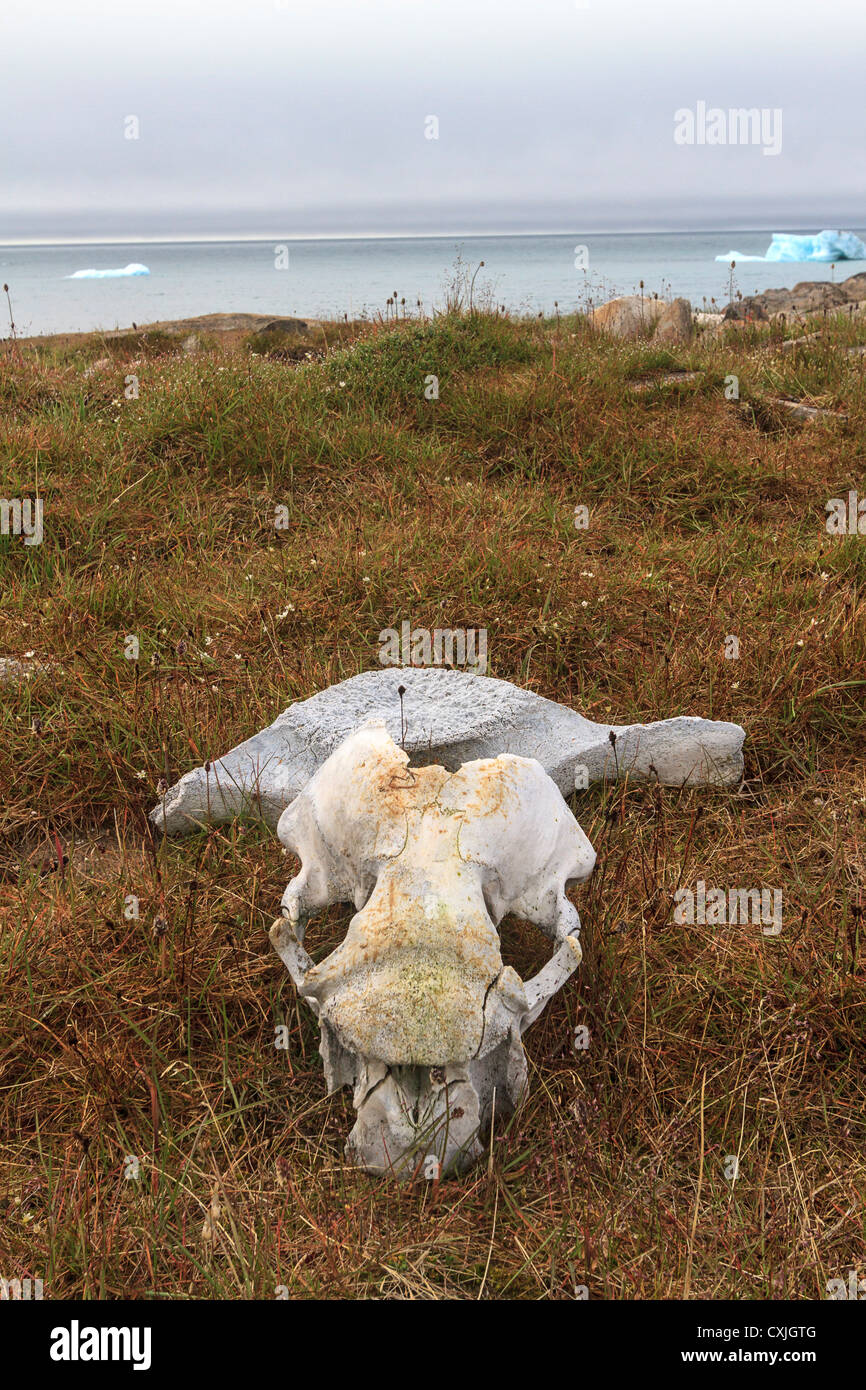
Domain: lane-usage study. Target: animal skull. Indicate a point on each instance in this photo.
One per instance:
(416, 1009)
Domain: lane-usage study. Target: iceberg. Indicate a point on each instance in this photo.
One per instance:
(133, 269)
(739, 256)
(823, 246)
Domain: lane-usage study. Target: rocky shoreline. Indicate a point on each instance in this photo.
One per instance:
(809, 297)
(632, 317)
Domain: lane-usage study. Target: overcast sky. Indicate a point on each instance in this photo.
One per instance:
(302, 117)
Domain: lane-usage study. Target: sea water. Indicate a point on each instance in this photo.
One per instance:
(329, 278)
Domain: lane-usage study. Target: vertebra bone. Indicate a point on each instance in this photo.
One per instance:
(448, 717)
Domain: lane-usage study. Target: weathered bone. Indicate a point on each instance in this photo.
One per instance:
(416, 1009)
(448, 717)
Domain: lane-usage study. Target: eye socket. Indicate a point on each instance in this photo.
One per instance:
(327, 930)
(523, 946)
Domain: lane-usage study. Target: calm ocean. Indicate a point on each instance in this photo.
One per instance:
(330, 278)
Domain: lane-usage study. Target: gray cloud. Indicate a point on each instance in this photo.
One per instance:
(308, 117)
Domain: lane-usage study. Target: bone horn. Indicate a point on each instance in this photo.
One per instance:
(288, 947)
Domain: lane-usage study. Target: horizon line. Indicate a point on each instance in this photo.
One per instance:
(221, 239)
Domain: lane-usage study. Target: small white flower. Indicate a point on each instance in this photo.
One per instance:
(584, 603)
(735, 685)
(238, 656)
(342, 383)
(587, 574)
(208, 641)
(824, 577)
(800, 642)
(365, 579)
(141, 775)
(26, 654)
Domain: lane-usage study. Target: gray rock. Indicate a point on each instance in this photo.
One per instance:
(448, 717)
(675, 323)
(283, 326)
(855, 287)
(807, 297)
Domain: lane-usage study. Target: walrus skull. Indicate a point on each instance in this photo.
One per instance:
(416, 1009)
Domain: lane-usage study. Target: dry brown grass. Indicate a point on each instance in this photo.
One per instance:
(153, 1037)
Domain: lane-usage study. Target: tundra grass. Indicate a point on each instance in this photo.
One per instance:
(229, 530)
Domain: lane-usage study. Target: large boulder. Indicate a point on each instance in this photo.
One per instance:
(630, 317)
(855, 287)
(675, 324)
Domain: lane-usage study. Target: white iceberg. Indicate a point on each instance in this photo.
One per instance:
(133, 269)
(823, 246)
(739, 256)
